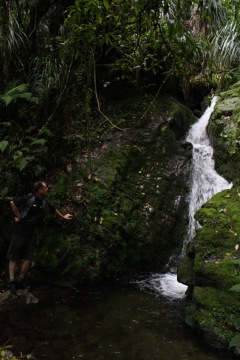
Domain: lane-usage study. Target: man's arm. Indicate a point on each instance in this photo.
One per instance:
(65, 217)
(16, 211)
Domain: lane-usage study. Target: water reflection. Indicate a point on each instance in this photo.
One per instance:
(123, 321)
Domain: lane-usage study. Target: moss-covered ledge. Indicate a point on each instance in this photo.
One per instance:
(212, 308)
(224, 133)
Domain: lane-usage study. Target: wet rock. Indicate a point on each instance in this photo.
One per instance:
(185, 271)
(31, 299)
(213, 308)
(227, 105)
(224, 134)
(22, 296)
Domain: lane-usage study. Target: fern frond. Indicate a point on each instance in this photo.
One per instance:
(19, 91)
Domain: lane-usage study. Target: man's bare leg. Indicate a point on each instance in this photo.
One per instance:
(24, 268)
(12, 268)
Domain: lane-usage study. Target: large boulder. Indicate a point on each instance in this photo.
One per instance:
(214, 269)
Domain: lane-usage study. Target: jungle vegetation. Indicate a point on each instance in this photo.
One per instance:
(62, 63)
(61, 59)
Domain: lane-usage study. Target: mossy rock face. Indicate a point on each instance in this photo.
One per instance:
(180, 119)
(185, 271)
(129, 196)
(228, 105)
(214, 315)
(224, 133)
(214, 308)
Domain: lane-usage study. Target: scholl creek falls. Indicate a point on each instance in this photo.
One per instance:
(139, 318)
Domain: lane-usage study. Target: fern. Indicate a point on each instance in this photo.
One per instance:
(20, 91)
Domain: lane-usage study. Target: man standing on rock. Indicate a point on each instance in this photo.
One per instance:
(29, 211)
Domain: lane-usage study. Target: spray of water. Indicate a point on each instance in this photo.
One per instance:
(205, 182)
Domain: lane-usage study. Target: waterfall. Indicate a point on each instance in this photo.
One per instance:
(205, 182)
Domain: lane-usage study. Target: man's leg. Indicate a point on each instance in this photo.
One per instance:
(12, 267)
(21, 283)
(24, 268)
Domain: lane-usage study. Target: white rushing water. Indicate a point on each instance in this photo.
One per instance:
(163, 284)
(205, 182)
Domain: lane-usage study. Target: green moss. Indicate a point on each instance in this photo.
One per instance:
(214, 309)
(181, 118)
(185, 272)
(224, 132)
(211, 298)
(223, 273)
(215, 314)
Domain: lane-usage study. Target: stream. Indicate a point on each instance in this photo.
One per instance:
(138, 318)
(130, 320)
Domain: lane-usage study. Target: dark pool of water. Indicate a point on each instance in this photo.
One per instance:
(120, 321)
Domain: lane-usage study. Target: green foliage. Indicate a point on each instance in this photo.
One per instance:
(21, 155)
(6, 354)
(235, 288)
(96, 44)
(225, 133)
(108, 234)
(19, 92)
(235, 341)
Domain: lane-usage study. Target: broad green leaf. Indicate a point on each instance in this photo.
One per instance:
(235, 341)
(106, 4)
(16, 92)
(3, 145)
(236, 261)
(38, 169)
(7, 124)
(46, 131)
(23, 163)
(26, 95)
(235, 288)
(38, 142)
(18, 154)
(4, 192)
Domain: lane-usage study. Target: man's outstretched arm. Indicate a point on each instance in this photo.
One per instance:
(65, 217)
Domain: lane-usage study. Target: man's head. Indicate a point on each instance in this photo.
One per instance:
(40, 189)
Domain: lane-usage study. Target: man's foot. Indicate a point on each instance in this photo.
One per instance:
(22, 284)
(13, 287)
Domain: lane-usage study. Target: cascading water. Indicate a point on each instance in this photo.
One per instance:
(205, 182)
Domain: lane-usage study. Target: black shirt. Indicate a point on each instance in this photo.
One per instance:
(32, 210)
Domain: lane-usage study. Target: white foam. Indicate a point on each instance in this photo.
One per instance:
(164, 284)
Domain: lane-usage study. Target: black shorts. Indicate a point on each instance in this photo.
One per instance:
(21, 247)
